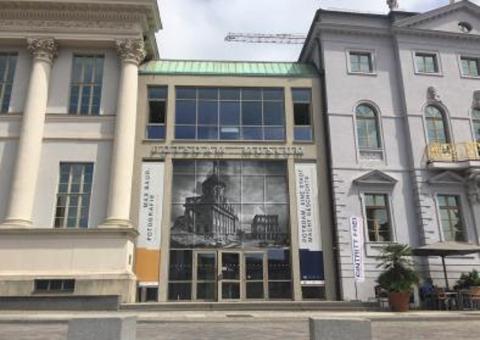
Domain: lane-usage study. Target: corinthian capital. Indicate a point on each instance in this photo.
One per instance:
(131, 50)
(45, 49)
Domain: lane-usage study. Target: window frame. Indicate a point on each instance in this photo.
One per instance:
(461, 209)
(474, 121)
(148, 124)
(446, 125)
(461, 57)
(95, 55)
(57, 194)
(437, 59)
(373, 62)
(389, 207)
(362, 153)
(311, 115)
(4, 82)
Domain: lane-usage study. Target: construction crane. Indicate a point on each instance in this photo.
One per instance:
(260, 38)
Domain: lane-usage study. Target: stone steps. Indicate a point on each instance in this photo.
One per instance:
(253, 306)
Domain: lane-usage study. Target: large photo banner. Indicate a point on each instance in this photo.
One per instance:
(149, 224)
(309, 231)
(356, 227)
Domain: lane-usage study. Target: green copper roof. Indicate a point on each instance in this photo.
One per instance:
(228, 68)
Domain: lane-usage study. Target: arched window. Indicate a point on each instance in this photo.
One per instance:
(436, 126)
(367, 128)
(476, 123)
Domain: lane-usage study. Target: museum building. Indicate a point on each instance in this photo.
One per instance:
(124, 174)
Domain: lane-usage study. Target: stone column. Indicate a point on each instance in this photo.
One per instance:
(22, 195)
(132, 53)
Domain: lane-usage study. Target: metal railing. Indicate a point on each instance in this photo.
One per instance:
(461, 152)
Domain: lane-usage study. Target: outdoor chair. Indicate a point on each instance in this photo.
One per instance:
(441, 299)
(474, 295)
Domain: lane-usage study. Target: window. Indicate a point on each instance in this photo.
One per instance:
(367, 128)
(451, 218)
(86, 86)
(436, 127)
(361, 62)
(7, 71)
(378, 218)
(476, 124)
(470, 66)
(465, 27)
(157, 103)
(73, 198)
(54, 286)
(427, 63)
(230, 114)
(302, 111)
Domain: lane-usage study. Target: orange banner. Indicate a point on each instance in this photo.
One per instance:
(147, 265)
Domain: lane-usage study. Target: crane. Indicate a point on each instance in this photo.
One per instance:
(262, 38)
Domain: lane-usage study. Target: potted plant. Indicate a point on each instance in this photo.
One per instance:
(469, 280)
(398, 276)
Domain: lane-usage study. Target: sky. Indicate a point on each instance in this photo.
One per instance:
(195, 29)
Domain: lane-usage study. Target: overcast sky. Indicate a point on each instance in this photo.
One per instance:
(195, 29)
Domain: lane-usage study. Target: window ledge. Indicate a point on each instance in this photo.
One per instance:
(433, 74)
(370, 74)
(470, 77)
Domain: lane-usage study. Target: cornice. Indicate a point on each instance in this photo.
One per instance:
(351, 29)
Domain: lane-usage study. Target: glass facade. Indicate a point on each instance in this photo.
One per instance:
(230, 114)
(229, 231)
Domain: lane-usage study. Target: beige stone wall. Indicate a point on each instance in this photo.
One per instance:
(306, 152)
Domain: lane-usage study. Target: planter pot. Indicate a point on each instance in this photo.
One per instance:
(399, 302)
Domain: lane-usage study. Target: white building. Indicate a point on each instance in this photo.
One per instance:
(68, 88)
(402, 104)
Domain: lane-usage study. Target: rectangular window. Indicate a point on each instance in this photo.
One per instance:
(427, 63)
(470, 66)
(451, 218)
(302, 111)
(73, 198)
(8, 62)
(230, 114)
(378, 218)
(157, 104)
(86, 85)
(361, 62)
(54, 286)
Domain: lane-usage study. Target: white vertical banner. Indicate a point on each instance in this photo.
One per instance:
(307, 207)
(151, 204)
(356, 227)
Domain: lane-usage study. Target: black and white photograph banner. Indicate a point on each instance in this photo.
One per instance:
(229, 204)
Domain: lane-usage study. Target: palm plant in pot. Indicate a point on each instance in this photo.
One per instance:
(398, 276)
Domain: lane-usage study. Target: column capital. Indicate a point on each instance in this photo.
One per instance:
(131, 50)
(473, 186)
(43, 49)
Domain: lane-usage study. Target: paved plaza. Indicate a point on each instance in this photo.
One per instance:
(251, 326)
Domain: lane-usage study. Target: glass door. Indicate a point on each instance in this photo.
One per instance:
(229, 276)
(255, 275)
(205, 276)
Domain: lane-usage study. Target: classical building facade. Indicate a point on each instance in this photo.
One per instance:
(401, 101)
(68, 88)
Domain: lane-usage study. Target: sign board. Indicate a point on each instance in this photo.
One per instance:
(356, 227)
(309, 233)
(149, 224)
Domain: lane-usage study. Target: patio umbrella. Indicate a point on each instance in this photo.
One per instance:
(444, 249)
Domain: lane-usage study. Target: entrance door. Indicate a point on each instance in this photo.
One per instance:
(229, 276)
(205, 283)
(255, 283)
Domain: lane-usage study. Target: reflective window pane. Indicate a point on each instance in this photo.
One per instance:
(186, 112)
(86, 85)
